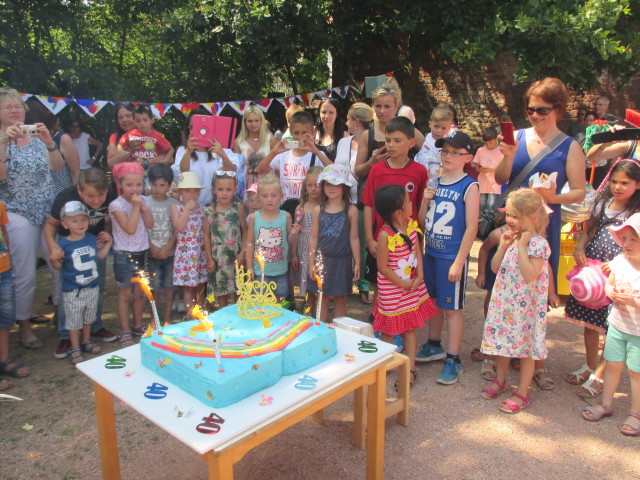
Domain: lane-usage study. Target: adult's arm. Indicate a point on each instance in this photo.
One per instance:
(503, 170)
(71, 156)
(605, 151)
(364, 163)
(96, 143)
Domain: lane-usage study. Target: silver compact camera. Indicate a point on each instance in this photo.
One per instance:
(30, 130)
(292, 144)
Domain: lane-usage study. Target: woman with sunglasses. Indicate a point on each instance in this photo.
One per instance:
(545, 104)
(191, 157)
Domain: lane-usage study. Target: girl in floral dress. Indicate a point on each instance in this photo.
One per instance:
(403, 304)
(190, 260)
(225, 229)
(516, 322)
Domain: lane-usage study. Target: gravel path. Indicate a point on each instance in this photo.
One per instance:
(453, 432)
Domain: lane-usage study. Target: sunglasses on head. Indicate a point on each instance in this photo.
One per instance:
(225, 173)
(544, 111)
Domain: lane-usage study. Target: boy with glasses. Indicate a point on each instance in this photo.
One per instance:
(449, 212)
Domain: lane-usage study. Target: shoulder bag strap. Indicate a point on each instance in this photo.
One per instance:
(557, 140)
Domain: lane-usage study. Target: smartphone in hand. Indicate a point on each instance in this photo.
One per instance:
(507, 132)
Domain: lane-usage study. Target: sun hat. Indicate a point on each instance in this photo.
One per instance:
(632, 222)
(587, 283)
(189, 180)
(457, 139)
(73, 208)
(335, 175)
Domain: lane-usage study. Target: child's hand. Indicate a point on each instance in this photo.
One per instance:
(193, 143)
(554, 300)
(428, 194)
(312, 272)
(525, 238)
(356, 273)
(620, 296)
(134, 144)
(480, 280)
(216, 147)
(295, 263)
(372, 246)
(455, 273)
(211, 265)
(103, 239)
(190, 204)
(154, 251)
(57, 254)
(136, 200)
(307, 143)
(295, 229)
(164, 252)
(606, 269)
(506, 239)
(579, 256)
(280, 147)
(416, 282)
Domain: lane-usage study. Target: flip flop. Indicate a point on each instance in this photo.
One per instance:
(633, 421)
(365, 297)
(477, 355)
(39, 319)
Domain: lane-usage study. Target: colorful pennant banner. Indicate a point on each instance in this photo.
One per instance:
(91, 107)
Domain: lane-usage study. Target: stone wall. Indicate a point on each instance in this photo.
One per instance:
(485, 95)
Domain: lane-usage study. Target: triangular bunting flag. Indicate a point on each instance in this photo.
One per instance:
(26, 96)
(90, 107)
(187, 107)
(207, 106)
(238, 106)
(263, 104)
(159, 109)
(54, 104)
(342, 91)
(306, 98)
(358, 86)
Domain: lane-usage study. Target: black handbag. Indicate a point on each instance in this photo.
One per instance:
(486, 222)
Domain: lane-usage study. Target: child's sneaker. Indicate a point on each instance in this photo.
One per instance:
(429, 353)
(398, 341)
(450, 372)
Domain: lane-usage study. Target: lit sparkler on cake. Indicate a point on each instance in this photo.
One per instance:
(143, 281)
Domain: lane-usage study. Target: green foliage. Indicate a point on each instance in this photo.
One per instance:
(204, 50)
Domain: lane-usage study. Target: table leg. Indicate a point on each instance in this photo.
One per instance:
(220, 466)
(375, 425)
(359, 417)
(106, 421)
(318, 417)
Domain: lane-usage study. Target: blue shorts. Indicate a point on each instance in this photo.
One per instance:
(282, 284)
(622, 347)
(7, 300)
(161, 270)
(447, 295)
(127, 265)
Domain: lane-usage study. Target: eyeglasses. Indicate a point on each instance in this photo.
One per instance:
(12, 107)
(225, 173)
(544, 111)
(451, 153)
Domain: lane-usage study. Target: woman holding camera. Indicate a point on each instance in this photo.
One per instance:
(28, 154)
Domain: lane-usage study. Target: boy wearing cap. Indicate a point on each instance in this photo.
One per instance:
(80, 278)
(450, 215)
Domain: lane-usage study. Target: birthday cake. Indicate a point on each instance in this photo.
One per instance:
(256, 345)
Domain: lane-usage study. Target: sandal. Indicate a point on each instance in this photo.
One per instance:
(598, 412)
(488, 371)
(32, 344)
(477, 355)
(138, 331)
(586, 390)
(633, 422)
(579, 376)
(125, 339)
(414, 376)
(39, 319)
(76, 356)
(365, 297)
(490, 392)
(543, 379)
(13, 372)
(5, 384)
(509, 406)
(91, 347)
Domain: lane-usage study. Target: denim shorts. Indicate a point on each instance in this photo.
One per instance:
(127, 265)
(282, 284)
(622, 347)
(161, 270)
(7, 300)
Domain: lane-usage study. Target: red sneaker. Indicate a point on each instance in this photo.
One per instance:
(105, 335)
(63, 348)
